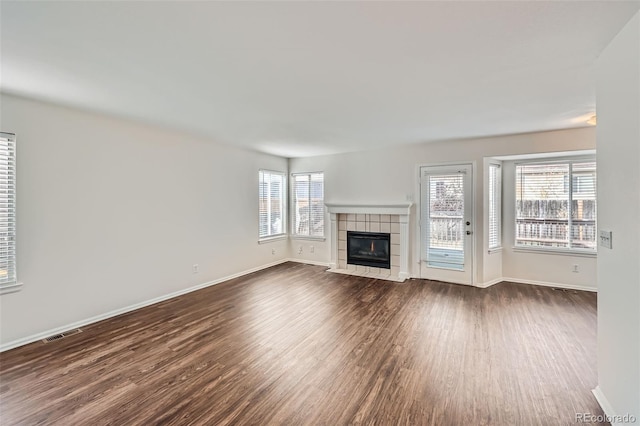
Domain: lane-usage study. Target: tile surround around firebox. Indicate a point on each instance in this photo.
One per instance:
(392, 219)
(369, 223)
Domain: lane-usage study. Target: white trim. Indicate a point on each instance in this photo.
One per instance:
(550, 284)
(523, 281)
(604, 403)
(560, 252)
(307, 173)
(489, 283)
(39, 336)
(273, 238)
(404, 247)
(399, 209)
(474, 220)
(306, 237)
(10, 288)
(333, 229)
(556, 159)
(543, 155)
(309, 262)
(403, 276)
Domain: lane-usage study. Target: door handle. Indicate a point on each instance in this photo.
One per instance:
(468, 223)
(469, 232)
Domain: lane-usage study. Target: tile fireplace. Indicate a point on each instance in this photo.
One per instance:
(370, 240)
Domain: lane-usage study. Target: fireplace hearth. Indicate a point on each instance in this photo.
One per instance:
(369, 249)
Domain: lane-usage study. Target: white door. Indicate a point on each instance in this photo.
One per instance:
(446, 225)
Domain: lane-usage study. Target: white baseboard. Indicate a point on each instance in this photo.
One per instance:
(534, 282)
(549, 284)
(606, 406)
(39, 336)
(490, 283)
(309, 262)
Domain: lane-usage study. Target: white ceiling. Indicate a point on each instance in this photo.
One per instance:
(307, 78)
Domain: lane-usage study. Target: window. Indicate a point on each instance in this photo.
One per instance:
(272, 191)
(495, 206)
(8, 281)
(308, 205)
(556, 205)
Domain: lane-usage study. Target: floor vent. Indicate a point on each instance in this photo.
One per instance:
(566, 290)
(61, 335)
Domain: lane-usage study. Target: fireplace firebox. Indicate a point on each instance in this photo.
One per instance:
(369, 249)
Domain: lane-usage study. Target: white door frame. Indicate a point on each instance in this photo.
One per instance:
(418, 202)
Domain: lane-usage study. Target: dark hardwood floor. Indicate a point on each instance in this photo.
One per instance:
(294, 344)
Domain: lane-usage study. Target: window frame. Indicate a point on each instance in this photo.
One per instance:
(9, 176)
(497, 208)
(569, 160)
(293, 233)
(283, 206)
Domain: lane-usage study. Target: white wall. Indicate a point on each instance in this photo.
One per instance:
(113, 213)
(390, 175)
(618, 100)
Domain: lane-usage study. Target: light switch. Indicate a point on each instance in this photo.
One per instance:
(604, 239)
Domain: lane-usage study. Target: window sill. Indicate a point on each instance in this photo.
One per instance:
(495, 250)
(561, 252)
(307, 237)
(10, 288)
(272, 239)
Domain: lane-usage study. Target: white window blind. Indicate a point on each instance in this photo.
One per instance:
(495, 206)
(308, 204)
(7, 211)
(556, 205)
(271, 203)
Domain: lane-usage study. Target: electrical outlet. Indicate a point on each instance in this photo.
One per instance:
(196, 268)
(312, 249)
(299, 249)
(576, 268)
(273, 251)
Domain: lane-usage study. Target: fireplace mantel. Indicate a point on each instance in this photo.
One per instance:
(402, 211)
(399, 209)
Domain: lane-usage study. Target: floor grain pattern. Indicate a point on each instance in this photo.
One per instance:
(295, 345)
